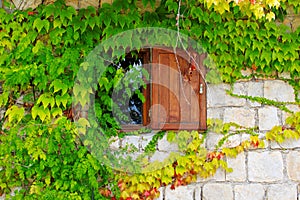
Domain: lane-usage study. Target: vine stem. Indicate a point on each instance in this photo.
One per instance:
(179, 40)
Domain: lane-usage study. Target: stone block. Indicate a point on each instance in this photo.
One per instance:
(131, 140)
(293, 108)
(242, 116)
(238, 165)
(164, 145)
(268, 118)
(282, 191)
(288, 144)
(114, 143)
(232, 141)
(217, 97)
(249, 192)
(279, 91)
(217, 191)
(265, 166)
(212, 140)
(73, 3)
(215, 113)
(86, 3)
(23, 5)
(180, 193)
(240, 88)
(145, 139)
(255, 89)
(293, 165)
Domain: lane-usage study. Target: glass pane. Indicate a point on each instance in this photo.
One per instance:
(132, 106)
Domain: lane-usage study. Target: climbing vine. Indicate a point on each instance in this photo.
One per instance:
(41, 52)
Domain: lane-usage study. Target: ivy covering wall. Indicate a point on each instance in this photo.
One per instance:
(42, 50)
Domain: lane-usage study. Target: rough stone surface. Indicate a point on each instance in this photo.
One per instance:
(114, 143)
(241, 116)
(288, 144)
(164, 145)
(131, 141)
(215, 113)
(293, 108)
(265, 166)
(268, 118)
(239, 88)
(180, 193)
(73, 3)
(217, 97)
(86, 3)
(232, 141)
(212, 140)
(249, 192)
(216, 191)
(279, 91)
(23, 5)
(282, 191)
(293, 165)
(238, 165)
(145, 139)
(255, 89)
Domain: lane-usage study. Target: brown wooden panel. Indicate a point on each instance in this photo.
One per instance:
(176, 92)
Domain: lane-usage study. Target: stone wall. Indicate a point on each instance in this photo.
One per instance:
(271, 173)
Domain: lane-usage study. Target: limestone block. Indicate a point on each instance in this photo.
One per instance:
(282, 191)
(242, 116)
(293, 108)
(215, 113)
(145, 139)
(293, 165)
(212, 140)
(180, 193)
(86, 3)
(288, 144)
(73, 3)
(268, 118)
(255, 89)
(238, 165)
(265, 166)
(217, 191)
(249, 191)
(296, 23)
(114, 143)
(131, 141)
(23, 5)
(232, 141)
(164, 145)
(217, 97)
(239, 88)
(279, 91)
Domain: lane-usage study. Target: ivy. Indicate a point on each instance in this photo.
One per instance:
(41, 52)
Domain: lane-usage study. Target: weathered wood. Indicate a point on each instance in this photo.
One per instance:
(175, 92)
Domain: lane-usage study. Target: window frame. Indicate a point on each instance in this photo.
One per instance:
(148, 56)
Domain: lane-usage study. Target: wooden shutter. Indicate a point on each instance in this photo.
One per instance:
(176, 99)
